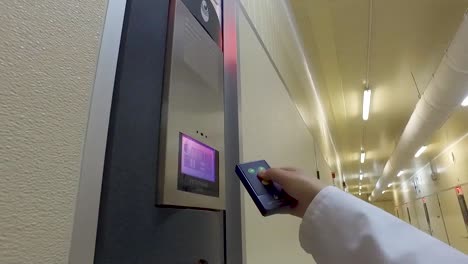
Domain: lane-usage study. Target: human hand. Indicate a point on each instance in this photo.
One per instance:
(298, 185)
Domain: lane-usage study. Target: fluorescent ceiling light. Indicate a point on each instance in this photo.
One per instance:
(399, 173)
(465, 102)
(363, 156)
(361, 175)
(366, 104)
(390, 185)
(383, 192)
(420, 151)
(360, 187)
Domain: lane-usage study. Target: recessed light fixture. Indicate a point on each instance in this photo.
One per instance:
(399, 173)
(465, 102)
(360, 187)
(420, 151)
(359, 193)
(361, 175)
(366, 104)
(363, 156)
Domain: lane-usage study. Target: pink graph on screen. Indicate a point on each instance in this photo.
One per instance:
(197, 160)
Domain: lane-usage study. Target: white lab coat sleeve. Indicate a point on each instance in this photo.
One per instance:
(340, 228)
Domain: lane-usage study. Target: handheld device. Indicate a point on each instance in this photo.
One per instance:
(269, 197)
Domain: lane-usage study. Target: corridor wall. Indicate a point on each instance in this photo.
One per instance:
(436, 181)
(271, 129)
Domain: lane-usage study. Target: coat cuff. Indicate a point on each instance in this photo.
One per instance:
(312, 216)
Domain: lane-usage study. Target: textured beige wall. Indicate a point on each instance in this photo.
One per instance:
(271, 129)
(48, 52)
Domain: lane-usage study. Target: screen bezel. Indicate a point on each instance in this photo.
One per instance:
(192, 184)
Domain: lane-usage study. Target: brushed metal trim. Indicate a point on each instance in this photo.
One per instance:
(233, 223)
(92, 164)
(196, 59)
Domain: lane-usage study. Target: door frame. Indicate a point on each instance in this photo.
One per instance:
(86, 212)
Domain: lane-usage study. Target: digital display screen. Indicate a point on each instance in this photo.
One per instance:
(197, 159)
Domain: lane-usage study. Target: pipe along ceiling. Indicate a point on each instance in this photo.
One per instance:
(445, 92)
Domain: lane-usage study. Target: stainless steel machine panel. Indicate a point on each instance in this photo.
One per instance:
(193, 109)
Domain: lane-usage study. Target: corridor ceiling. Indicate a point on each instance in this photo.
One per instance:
(407, 38)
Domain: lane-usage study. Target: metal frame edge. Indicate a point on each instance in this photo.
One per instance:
(83, 238)
(233, 214)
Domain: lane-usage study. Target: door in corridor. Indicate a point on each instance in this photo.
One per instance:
(436, 218)
(397, 212)
(451, 203)
(408, 214)
(413, 216)
(423, 217)
(404, 213)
